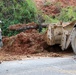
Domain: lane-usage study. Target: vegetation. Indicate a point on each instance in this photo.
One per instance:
(16, 11)
(66, 14)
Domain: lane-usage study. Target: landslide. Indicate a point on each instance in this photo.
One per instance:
(28, 42)
(31, 41)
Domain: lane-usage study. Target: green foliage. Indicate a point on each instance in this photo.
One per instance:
(43, 30)
(67, 14)
(50, 19)
(16, 11)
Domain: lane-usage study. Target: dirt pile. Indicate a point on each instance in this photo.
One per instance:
(28, 42)
(51, 9)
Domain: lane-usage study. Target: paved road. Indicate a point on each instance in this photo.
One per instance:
(43, 66)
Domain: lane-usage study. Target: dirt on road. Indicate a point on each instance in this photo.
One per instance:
(29, 44)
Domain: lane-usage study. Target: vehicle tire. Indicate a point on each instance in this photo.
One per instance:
(73, 40)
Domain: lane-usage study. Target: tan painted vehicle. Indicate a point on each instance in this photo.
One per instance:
(63, 34)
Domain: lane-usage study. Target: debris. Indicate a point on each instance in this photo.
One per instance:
(56, 55)
(32, 42)
(51, 9)
(23, 26)
(28, 42)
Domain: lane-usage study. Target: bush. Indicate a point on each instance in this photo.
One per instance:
(67, 14)
(16, 11)
(50, 19)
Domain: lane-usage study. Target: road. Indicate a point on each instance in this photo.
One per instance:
(42, 66)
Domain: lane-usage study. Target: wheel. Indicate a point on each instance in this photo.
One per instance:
(73, 40)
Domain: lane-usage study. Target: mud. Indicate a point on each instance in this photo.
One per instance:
(28, 42)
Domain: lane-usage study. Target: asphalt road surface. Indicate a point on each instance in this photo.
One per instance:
(42, 66)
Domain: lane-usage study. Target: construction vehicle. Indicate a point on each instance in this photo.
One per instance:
(63, 34)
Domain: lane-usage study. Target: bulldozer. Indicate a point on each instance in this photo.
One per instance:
(63, 33)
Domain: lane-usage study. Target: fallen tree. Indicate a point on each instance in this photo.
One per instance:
(22, 27)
